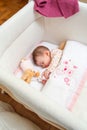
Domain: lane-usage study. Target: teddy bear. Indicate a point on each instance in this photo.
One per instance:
(28, 70)
(28, 74)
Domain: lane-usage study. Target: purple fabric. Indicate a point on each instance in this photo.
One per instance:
(56, 8)
(41, 3)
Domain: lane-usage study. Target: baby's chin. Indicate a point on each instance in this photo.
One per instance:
(46, 66)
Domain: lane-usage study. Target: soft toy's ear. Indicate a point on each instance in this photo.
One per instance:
(36, 74)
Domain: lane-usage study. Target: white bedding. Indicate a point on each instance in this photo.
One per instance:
(64, 86)
(66, 83)
(35, 83)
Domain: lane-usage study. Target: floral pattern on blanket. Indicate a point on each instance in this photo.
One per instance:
(68, 69)
(67, 81)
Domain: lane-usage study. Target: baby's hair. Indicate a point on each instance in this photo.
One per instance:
(38, 51)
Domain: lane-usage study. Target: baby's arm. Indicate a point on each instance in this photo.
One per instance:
(55, 60)
(57, 53)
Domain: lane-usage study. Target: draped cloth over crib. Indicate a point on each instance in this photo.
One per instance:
(57, 8)
(16, 40)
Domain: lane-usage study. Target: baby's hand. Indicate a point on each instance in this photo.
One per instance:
(44, 77)
(44, 81)
(46, 74)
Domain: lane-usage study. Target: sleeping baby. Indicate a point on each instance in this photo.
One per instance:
(45, 58)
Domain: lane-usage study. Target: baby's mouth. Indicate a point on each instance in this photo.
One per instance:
(46, 66)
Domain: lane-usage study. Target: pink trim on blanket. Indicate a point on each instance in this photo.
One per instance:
(77, 93)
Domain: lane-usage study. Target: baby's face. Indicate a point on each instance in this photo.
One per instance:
(43, 61)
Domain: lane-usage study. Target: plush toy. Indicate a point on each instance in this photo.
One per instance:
(26, 64)
(28, 70)
(29, 74)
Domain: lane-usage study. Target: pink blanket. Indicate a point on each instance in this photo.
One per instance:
(57, 8)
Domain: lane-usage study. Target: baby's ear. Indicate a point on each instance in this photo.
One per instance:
(47, 52)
